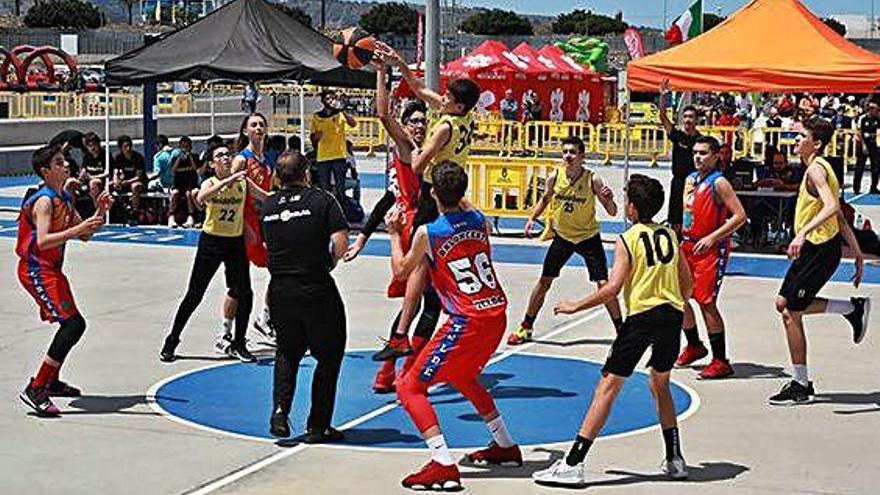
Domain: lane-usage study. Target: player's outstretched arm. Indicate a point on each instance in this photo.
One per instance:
(667, 124)
(435, 142)
(402, 264)
(402, 141)
(388, 54)
(210, 189)
(541, 205)
(609, 291)
(42, 216)
(605, 195)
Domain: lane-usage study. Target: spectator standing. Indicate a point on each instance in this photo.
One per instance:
(683, 141)
(509, 106)
(129, 174)
(327, 128)
(250, 99)
(866, 138)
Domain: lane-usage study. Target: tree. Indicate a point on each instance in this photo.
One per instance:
(77, 14)
(295, 12)
(393, 17)
(711, 20)
(129, 6)
(587, 23)
(836, 25)
(497, 22)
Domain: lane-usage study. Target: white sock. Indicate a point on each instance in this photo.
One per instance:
(439, 450)
(499, 433)
(266, 314)
(227, 326)
(839, 307)
(800, 374)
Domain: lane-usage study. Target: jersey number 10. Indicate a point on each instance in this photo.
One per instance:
(660, 246)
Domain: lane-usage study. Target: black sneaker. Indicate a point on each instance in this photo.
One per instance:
(265, 328)
(279, 426)
(38, 400)
(166, 355)
(793, 393)
(858, 318)
(240, 352)
(396, 347)
(57, 388)
(326, 435)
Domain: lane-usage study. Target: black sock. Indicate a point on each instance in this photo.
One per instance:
(693, 338)
(673, 443)
(578, 451)
(528, 321)
(716, 341)
(618, 322)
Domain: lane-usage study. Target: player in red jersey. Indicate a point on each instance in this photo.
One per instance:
(455, 250)
(712, 213)
(46, 222)
(404, 188)
(252, 159)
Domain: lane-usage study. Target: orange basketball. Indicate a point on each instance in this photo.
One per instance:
(354, 48)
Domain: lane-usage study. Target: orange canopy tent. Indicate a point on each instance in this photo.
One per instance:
(768, 45)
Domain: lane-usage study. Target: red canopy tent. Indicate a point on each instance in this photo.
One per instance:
(586, 100)
(495, 68)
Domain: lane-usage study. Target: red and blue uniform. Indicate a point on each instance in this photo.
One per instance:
(462, 274)
(39, 270)
(261, 174)
(404, 184)
(704, 214)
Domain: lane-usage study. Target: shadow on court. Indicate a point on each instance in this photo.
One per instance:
(851, 399)
(113, 404)
(523, 472)
(572, 343)
(374, 437)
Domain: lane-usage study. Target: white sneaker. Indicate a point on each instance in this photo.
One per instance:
(190, 221)
(560, 473)
(676, 468)
(172, 222)
(264, 326)
(222, 343)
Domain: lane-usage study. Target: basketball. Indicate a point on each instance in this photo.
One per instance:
(354, 48)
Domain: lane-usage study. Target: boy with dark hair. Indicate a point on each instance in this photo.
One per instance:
(455, 251)
(571, 194)
(712, 213)
(683, 141)
(816, 249)
(46, 222)
(128, 174)
(655, 281)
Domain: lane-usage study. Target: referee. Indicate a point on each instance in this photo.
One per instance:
(299, 223)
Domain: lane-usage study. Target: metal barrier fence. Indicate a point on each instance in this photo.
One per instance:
(507, 187)
(73, 105)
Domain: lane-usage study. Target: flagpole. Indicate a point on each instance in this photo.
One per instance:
(664, 14)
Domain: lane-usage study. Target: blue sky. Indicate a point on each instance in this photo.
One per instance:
(650, 12)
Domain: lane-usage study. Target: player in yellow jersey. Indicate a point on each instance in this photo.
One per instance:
(820, 229)
(571, 193)
(449, 139)
(656, 281)
(221, 241)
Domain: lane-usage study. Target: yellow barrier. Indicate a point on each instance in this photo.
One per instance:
(543, 136)
(647, 141)
(500, 136)
(738, 138)
(369, 133)
(842, 143)
(507, 187)
(284, 123)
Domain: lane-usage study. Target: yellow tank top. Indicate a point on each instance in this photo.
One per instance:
(653, 278)
(225, 211)
(808, 206)
(458, 147)
(573, 209)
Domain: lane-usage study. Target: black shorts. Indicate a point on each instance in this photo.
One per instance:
(658, 328)
(186, 181)
(591, 250)
(810, 272)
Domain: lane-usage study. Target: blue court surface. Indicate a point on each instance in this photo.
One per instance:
(542, 398)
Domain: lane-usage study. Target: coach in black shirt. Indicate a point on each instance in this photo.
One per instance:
(306, 234)
(867, 138)
(683, 141)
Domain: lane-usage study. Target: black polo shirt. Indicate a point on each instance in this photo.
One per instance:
(297, 224)
(683, 152)
(131, 167)
(868, 127)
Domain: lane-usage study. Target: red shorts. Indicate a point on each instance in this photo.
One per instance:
(397, 288)
(50, 289)
(708, 270)
(253, 239)
(459, 349)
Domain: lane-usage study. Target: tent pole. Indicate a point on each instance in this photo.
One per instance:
(627, 143)
(213, 127)
(107, 177)
(302, 118)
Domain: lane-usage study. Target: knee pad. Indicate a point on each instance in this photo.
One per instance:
(66, 337)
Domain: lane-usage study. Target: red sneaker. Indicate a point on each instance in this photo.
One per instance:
(434, 476)
(716, 369)
(690, 354)
(384, 383)
(520, 336)
(496, 455)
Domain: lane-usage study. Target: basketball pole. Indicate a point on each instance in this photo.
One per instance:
(432, 44)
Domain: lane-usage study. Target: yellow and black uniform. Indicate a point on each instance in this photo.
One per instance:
(654, 302)
(820, 254)
(574, 226)
(331, 151)
(456, 149)
(221, 241)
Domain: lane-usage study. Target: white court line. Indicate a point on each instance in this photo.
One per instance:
(284, 454)
(169, 238)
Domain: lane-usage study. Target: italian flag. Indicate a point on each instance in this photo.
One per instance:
(687, 26)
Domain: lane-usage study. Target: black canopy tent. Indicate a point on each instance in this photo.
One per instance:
(243, 41)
